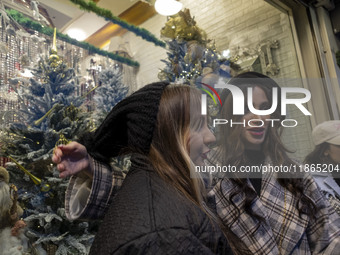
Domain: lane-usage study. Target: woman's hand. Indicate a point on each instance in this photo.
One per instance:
(72, 159)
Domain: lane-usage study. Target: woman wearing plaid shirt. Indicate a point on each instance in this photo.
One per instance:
(269, 213)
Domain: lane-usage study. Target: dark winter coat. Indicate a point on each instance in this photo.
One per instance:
(148, 216)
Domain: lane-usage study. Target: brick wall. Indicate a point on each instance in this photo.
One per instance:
(232, 24)
(146, 53)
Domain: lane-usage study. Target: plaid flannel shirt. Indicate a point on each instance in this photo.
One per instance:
(89, 198)
(283, 231)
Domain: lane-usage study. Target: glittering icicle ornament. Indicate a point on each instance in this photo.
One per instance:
(45, 187)
(62, 140)
(38, 122)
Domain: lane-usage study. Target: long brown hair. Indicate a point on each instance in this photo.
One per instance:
(169, 152)
(232, 149)
(179, 106)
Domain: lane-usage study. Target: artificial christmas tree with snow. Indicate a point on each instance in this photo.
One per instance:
(110, 92)
(48, 114)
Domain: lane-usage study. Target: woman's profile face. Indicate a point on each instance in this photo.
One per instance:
(253, 135)
(198, 144)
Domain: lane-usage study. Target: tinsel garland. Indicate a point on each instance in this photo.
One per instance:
(107, 14)
(28, 23)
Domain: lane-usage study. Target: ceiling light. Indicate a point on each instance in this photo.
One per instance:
(168, 7)
(76, 33)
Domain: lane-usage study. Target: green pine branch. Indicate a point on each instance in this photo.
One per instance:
(29, 23)
(107, 14)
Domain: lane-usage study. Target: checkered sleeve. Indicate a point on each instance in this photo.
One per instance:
(324, 231)
(254, 237)
(89, 198)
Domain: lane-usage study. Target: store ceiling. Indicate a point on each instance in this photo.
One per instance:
(66, 15)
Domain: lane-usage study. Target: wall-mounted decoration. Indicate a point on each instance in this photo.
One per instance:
(247, 59)
(266, 57)
(259, 59)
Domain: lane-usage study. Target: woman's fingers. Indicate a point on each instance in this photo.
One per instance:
(61, 151)
(57, 154)
(70, 147)
(61, 167)
(64, 172)
(69, 158)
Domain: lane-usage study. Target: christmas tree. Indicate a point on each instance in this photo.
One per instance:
(109, 93)
(191, 56)
(48, 108)
(49, 115)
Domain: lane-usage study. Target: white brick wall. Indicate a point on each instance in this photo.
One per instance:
(231, 23)
(147, 53)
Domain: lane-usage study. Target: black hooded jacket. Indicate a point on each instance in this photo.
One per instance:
(149, 216)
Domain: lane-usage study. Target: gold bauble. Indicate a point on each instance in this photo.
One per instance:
(53, 58)
(45, 187)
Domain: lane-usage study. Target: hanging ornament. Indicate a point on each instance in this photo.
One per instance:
(62, 140)
(38, 122)
(71, 112)
(45, 187)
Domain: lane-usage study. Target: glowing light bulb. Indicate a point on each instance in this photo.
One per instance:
(77, 34)
(168, 7)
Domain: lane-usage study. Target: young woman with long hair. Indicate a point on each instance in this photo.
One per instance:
(270, 213)
(161, 206)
